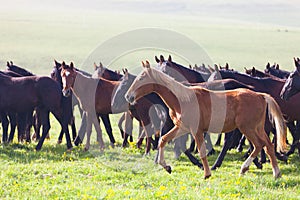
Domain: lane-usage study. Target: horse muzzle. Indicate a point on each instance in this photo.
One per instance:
(130, 98)
(66, 93)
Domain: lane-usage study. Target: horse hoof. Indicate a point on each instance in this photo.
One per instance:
(70, 149)
(207, 176)
(212, 152)
(112, 145)
(168, 169)
(259, 165)
(59, 141)
(214, 167)
(244, 170)
(277, 175)
(85, 149)
(282, 157)
(146, 154)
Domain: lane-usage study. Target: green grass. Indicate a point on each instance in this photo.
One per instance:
(126, 174)
(34, 39)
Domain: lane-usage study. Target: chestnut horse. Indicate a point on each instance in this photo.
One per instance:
(94, 96)
(190, 104)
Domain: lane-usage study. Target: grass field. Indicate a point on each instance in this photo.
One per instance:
(243, 34)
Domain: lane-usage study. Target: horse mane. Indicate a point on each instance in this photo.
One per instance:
(182, 92)
(20, 70)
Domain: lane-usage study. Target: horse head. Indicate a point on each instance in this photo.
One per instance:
(68, 75)
(292, 83)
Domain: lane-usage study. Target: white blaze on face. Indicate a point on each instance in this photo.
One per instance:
(64, 80)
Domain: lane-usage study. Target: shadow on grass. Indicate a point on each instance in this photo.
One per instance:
(26, 153)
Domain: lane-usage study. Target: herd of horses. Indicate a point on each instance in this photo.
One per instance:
(170, 101)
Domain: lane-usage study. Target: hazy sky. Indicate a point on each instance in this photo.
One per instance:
(278, 12)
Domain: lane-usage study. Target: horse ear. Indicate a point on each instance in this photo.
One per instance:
(227, 66)
(170, 58)
(253, 71)
(297, 64)
(147, 64)
(7, 64)
(157, 60)
(71, 66)
(63, 65)
(277, 66)
(143, 64)
(190, 66)
(56, 63)
(216, 67)
(100, 65)
(95, 66)
(11, 63)
(268, 66)
(162, 59)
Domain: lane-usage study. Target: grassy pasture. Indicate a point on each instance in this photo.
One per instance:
(34, 39)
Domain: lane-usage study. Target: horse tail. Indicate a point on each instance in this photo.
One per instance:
(275, 116)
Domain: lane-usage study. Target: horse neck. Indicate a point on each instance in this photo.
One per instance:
(190, 75)
(171, 91)
(167, 96)
(111, 75)
(83, 85)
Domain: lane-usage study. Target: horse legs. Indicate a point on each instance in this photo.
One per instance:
(98, 131)
(199, 139)
(121, 120)
(180, 145)
(37, 125)
(107, 125)
(73, 126)
(13, 124)
(82, 129)
(44, 117)
(269, 148)
(296, 137)
(128, 129)
(64, 121)
(241, 143)
(88, 131)
(21, 126)
(162, 143)
(29, 124)
(228, 140)
(218, 142)
(4, 127)
(209, 145)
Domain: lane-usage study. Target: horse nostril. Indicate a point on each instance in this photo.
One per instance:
(129, 98)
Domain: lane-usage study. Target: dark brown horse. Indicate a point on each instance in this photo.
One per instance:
(24, 94)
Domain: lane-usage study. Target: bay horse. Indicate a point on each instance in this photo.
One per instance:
(66, 101)
(179, 98)
(290, 89)
(102, 72)
(56, 74)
